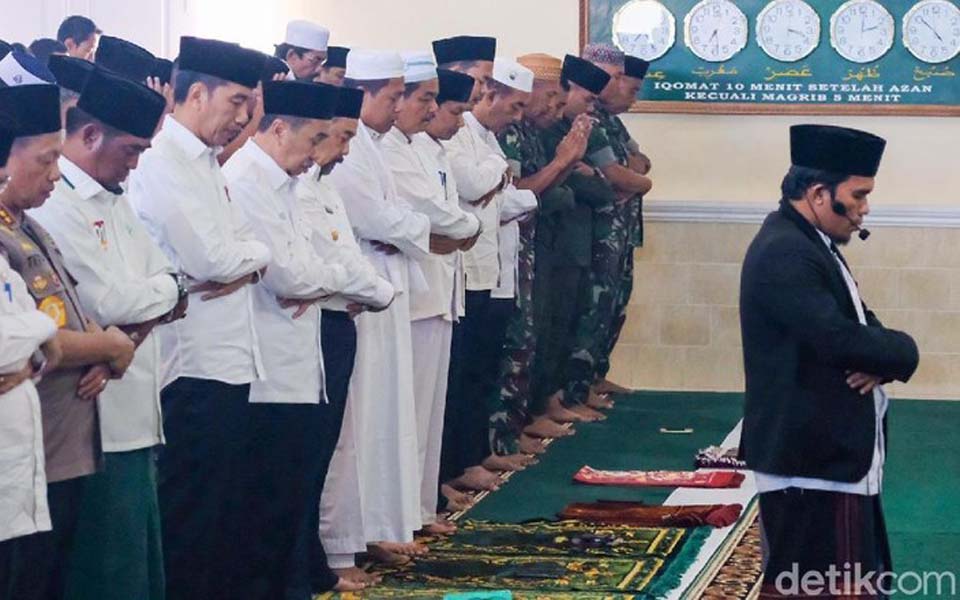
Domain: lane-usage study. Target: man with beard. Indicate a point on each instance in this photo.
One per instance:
(212, 355)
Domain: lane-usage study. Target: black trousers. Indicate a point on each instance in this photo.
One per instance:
(201, 499)
(806, 531)
(476, 354)
(308, 572)
(34, 567)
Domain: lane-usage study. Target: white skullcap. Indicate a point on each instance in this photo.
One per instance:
(418, 66)
(513, 74)
(369, 65)
(304, 34)
(17, 68)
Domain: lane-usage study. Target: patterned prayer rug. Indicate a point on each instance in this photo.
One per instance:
(736, 571)
(563, 560)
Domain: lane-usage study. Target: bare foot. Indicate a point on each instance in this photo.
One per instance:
(357, 575)
(531, 445)
(440, 527)
(544, 427)
(402, 548)
(588, 414)
(557, 412)
(605, 386)
(379, 554)
(599, 401)
(456, 500)
(348, 585)
(478, 479)
(513, 462)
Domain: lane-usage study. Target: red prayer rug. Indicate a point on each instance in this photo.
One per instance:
(690, 479)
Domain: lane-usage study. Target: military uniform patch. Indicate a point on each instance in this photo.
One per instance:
(40, 283)
(53, 307)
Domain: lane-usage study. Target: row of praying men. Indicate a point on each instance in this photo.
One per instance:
(264, 315)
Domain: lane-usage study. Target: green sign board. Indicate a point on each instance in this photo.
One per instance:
(788, 56)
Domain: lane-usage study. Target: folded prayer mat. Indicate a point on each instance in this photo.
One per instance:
(638, 514)
(695, 479)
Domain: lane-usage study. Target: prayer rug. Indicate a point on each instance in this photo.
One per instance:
(697, 479)
(638, 514)
(735, 572)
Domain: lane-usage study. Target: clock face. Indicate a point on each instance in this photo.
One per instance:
(645, 29)
(861, 31)
(715, 30)
(931, 30)
(788, 30)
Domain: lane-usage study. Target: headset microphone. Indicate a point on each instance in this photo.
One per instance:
(841, 209)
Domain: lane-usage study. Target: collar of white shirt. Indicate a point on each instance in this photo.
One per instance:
(276, 176)
(192, 146)
(82, 184)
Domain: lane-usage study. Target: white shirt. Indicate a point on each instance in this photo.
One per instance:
(872, 482)
(123, 278)
(180, 194)
(23, 482)
(290, 347)
(422, 174)
(332, 237)
(378, 213)
(512, 204)
(478, 170)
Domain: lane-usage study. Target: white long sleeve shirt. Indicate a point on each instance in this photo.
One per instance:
(181, 196)
(378, 214)
(123, 278)
(422, 174)
(332, 238)
(478, 170)
(23, 482)
(290, 347)
(872, 482)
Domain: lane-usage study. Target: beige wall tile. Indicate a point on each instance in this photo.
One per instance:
(717, 284)
(651, 367)
(660, 284)
(725, 327)
(642, 325)
(713, 369)
(924, 289)
(685, 326)
(937, 332)
(879, 288)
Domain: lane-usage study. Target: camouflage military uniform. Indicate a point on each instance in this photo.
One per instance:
(576, 288)
(509, 409)
(609, 239)
(631, 213)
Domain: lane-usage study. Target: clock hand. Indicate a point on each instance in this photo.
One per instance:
(793, 31)
(930, 27)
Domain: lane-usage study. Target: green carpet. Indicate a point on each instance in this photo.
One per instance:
(921, 479)
(629, 439)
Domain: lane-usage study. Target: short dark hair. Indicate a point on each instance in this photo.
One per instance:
(77, 119)
(799, 179)
(294, 122)
(459, 65)
(44, 47)
(372, 86)
(183, 79)
(284, 49)
(77, 28)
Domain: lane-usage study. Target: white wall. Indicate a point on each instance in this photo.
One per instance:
(696, 158)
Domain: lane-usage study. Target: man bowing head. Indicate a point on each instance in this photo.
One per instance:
(814, 358)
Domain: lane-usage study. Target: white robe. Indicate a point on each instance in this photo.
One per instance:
(422, 177)
(372, 492)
